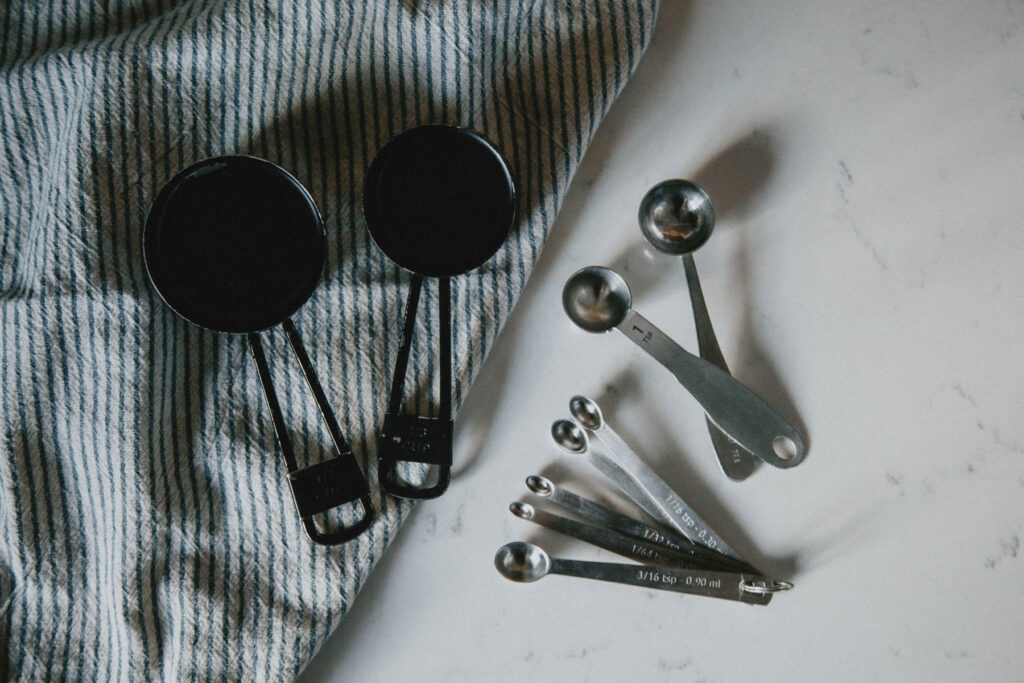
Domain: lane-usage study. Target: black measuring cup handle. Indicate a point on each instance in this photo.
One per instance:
(326, 484)
(413, 438)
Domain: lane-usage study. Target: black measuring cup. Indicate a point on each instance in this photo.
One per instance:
(235, 244)
(438, 201)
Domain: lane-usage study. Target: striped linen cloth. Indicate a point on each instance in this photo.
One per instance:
(147, 526)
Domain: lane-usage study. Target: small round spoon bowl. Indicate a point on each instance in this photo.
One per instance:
(569, 437)
(522, 510)
(676, 217)
(523, 562)
(586, 412)
(542, 486)
(596, 299)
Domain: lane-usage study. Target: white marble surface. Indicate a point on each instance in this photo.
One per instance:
(866, 277)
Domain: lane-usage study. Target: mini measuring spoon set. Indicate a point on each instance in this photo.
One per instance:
(684, 554)
(675, 217)
(236, 245)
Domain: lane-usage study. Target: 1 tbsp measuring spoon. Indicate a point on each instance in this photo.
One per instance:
(677, 217)
(597, 299)
(525, 562)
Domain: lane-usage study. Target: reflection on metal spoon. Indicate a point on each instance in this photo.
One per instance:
(676, 217)
(599, 514)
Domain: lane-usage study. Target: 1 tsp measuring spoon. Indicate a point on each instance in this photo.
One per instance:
(677, 217)
(597, 299)
(676, 512)
(525, 562)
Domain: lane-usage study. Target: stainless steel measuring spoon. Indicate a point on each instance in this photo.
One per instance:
(602, 538)
(675, 510)
(627, 526)
(677, 217)
(597, 299)
(525, 562)
(571, 438)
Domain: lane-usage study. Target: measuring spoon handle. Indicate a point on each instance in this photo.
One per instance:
(674, 546)
(675, 510)
(707, 341)
(616, 475)
(603, 538)
(723, 585)
(599, 514)
(737, 410)
(736, 461)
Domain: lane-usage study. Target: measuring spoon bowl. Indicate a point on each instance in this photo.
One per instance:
(569, 437)
(540, 485)
(676, 217)
(522, 562)
(596, 299)
(522, 510)
(586, 412)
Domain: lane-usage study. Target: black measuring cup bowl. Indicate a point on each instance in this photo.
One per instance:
(235, 244)
(438, 201)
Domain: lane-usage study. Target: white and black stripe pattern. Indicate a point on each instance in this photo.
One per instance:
(147, 527)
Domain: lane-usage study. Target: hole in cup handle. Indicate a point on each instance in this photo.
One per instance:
(411, 438)
(325, 486)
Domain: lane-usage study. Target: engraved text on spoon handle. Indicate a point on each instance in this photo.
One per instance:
(737, 410)
(724, 585)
